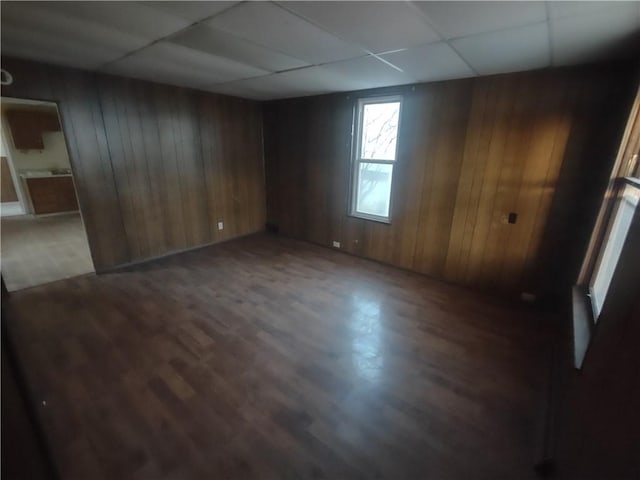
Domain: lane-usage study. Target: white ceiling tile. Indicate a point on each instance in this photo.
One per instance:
(161, 74)
(127, 17)
(260, 88)
(601, 34)
(369, 72)
(437, 61)
(235, 50)
(516, 49)
(459, 19)
(378, 26)
(216, 42)
(271, 26)
(54, 49)
(294, 83)
(315, 80)
(237, 91)
(571, 9)
(164, 61)
(192, 11)
(35, 18)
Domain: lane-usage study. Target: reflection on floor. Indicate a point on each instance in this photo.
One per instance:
(264, 358)
(42, 250)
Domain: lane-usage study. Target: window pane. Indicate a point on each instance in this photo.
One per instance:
(379, 131)
(374, 189)
(610, 254)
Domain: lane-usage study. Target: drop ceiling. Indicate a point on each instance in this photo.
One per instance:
(267, 50)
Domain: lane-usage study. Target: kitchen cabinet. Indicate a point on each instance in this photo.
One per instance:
(52, 194)
(27, 127)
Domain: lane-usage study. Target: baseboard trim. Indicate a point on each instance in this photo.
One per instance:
(142, 261)
(507, 298)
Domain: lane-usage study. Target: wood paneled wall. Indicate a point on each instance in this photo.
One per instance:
(156, 167)
(470, 152)
(598, 421)
(7, 189)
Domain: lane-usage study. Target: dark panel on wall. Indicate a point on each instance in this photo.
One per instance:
(232, 152)
(154, 142)
(471, 152)
(7, 189)
(156, 166)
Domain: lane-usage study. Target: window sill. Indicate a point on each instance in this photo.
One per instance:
(371, 218)
(582, 320)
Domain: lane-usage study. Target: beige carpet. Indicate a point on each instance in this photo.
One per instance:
(42, 250)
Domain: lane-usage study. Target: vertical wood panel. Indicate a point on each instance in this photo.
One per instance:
(316, 174)
(409, 172)
(502, 112)
(82, 122)
(443, 177)
(231, 144)
(192, 178)
(340, 113)
(483, 159)
(211, 143)
(470, 152)
(154, 167)
(509, 183)
(7, 189)
(173, 211)
(537, 159)
(542, 167)
(469, 182)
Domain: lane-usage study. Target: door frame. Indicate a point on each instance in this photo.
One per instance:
(14, 176)
(21, 194)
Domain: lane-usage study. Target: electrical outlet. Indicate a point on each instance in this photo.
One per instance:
(336, 244)
(220, 225)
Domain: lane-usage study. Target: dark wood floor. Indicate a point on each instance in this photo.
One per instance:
(22, 454)
(271, 358)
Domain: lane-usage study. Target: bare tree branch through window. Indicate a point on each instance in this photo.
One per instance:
(377, 135)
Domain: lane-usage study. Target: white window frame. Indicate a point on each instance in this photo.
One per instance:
(625, 206)
(357, 156)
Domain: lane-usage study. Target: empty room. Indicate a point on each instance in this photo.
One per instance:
(320, 240)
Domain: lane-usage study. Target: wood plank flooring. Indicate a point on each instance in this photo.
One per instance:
(266, 357)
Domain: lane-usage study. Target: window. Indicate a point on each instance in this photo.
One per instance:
(609, 256)
(375, 154)
(621, 219)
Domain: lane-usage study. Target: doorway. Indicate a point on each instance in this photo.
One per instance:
(43, 238)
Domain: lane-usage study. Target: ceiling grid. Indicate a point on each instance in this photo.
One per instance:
(268, 50)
